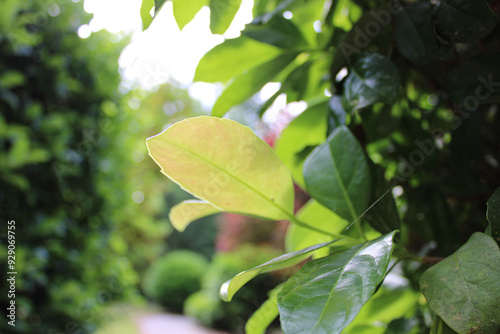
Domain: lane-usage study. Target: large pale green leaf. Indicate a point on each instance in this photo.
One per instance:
(299, 138)
(225, 164)
(493, 215)
(247, 84)
(184, 213)
(463, 289)
(337, 175)
(278, 31)
(232, 58)
(229, 288)
(313, 214)
(383, 216)
(414, 33)
(222, 13)
(372, 78)
(464, 21)
(185, 10)
(327, 294)
(265, 314)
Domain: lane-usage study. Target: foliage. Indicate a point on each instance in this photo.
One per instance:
(71, 159)
(398, 149)
(173, 277)
(206, 306)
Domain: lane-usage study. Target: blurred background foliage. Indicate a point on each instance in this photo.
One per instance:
(91, 208)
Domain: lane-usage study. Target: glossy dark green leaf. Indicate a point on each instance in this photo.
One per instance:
(185, 10)
(493, 215)
(464, 21)
(475, 81)
(337, 175)
(414, 33)
(302, 134)
(229, 288)
(385, 305)
(232, 58)
(222, 13)
(383, 216)
(327, 294)
(246, 85)
(463, 289)
(337, 112)
(278, 31)
(372, 78)
(158, 5)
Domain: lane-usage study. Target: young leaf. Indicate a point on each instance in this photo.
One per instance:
(222, 13)
(265, 314)
(229, 288)
(302, 134)
(313, 214)
(493, 215)
(372, 78)
(185, 10)
(182, 214)
(232, 58)
(146, 17)
(326, 294)
(337, 175)
(250, 82)
(463, 289)
(225, 164)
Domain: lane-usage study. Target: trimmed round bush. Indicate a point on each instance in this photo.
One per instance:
(171, 279)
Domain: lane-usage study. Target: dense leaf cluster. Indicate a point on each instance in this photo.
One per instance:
(400, 136)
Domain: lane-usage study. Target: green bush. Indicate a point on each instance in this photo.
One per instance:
(171, 279)
(210, 310)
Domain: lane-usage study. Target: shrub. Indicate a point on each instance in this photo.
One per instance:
(174, 277)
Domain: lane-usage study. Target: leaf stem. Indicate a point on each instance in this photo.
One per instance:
(300, 223)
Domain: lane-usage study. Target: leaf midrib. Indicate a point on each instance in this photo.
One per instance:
(288, 214)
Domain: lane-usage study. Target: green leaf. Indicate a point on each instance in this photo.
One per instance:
(383, 216)
(463, 21)
(247, 84)
(185, 10)
(232, 58)
(440, 327)
(184, 213)
(463, 289)
(414, 33)
(222, 13)
(278, 31)
(146, 17)
(476, 80)
(265, 314)
(158, 5)
(326, 294)
(229, 288)
(372, 78)
(337, 112)
(493, 215)
(225, 164)
(302, 134)
(313, 214)
(337, 175)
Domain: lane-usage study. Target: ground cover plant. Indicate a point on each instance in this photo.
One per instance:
(398, 149)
